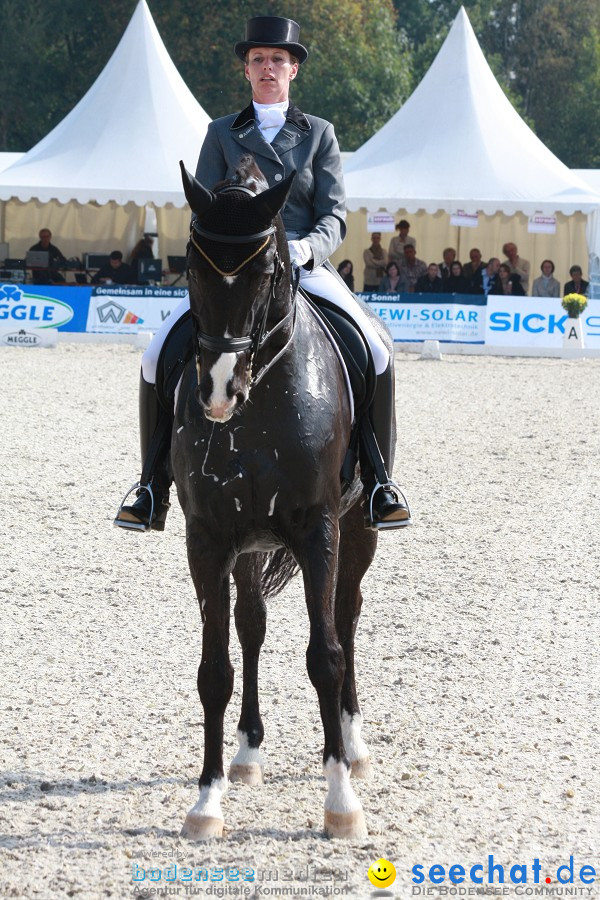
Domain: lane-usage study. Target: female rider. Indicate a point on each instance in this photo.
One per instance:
(281, 138)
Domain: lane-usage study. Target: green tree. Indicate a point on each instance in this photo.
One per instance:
(357, 73)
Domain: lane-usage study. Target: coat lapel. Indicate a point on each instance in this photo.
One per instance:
(246, 132)
(295, 130)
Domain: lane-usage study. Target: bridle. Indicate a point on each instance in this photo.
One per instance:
(259, 336)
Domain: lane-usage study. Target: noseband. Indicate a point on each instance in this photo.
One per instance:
(258, 338)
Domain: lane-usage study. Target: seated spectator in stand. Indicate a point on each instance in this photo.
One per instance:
(518, 266)
(456, 283)
(449, 255)
(392, 282)
(55, 259)
(115, 272)
(487, 278)
(508, 282)
(476, 265)
(577, 285)
(411, 268)
(430, 283)
(396, 248)
(546, 285)
(375, 261)
(345, 271)
(144, 249)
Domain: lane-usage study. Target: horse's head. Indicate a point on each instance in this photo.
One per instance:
(238, 271)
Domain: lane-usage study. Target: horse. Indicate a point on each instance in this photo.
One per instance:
(261, 428)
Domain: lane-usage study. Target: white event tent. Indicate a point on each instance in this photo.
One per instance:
(109, 170)
(459, 144)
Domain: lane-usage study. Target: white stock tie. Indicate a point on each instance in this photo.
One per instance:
(270, 120)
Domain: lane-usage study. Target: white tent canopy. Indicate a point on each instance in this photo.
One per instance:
(123, 140)
(458, 143)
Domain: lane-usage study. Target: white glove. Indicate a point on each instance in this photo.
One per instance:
(300, 252)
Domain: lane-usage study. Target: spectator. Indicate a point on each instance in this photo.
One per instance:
(485, 280)
(392, 282)
(144, 249)
(449, 255)
(546, 285)
(115, 271)
(346, 272)
(518, 266)
(476, 265)
(430, 283)
(508, 282)
(374, 257)
(456, 283)
(396, 248)
(577, 285)
(412, 268)
(55, 259)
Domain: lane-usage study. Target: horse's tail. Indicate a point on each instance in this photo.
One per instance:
(279, 569)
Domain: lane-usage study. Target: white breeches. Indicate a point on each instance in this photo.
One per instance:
(319, 281)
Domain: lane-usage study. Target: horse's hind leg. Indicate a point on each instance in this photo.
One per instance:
(357, 549)
(316, 553)
(250, 622)
(215, 684)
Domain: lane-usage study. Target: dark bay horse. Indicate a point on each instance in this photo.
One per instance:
(261, 428)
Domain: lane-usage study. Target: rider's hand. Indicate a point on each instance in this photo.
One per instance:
(300, 252)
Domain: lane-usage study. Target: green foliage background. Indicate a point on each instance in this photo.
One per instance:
(366, 56)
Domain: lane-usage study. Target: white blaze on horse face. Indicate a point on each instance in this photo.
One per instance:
(220, 407)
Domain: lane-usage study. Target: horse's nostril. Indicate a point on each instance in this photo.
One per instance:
(240, 397)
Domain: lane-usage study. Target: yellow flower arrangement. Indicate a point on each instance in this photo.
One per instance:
(574, 304)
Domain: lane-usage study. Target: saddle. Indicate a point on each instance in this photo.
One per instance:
(351, 346)
(349, 340)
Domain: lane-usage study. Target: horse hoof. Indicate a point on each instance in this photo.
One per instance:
(247, 773)
(201, 828)
(361, 768)
(349, 825)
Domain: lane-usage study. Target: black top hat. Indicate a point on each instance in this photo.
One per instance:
(272, 31)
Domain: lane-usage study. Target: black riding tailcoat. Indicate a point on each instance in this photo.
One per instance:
(316, 208)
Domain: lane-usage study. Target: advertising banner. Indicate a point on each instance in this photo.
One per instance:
(125, 309)
(536, 322)
(432, 317)
(380, 221)
(39, 306)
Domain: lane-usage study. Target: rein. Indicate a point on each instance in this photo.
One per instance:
(259, 337)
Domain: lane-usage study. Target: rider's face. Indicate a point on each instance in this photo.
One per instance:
(270, 70)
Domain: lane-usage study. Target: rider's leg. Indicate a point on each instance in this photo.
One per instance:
(151, 418)
(151, 509)
(387, 506)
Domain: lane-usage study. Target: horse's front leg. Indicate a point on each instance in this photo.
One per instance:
(357, 549)
(210, 574)
(318, 556)
(251, 623)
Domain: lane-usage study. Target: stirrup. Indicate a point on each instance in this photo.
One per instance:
(394, 523)
(136, 526)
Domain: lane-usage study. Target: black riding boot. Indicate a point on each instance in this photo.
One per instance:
(152, 504)
(386, 505)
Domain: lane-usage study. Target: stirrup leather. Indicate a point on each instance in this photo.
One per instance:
(394, 523)
(136, 526)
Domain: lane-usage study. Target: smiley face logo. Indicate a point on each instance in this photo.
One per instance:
(381, 873)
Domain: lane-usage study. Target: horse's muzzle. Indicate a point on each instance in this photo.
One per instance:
(222, 412)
